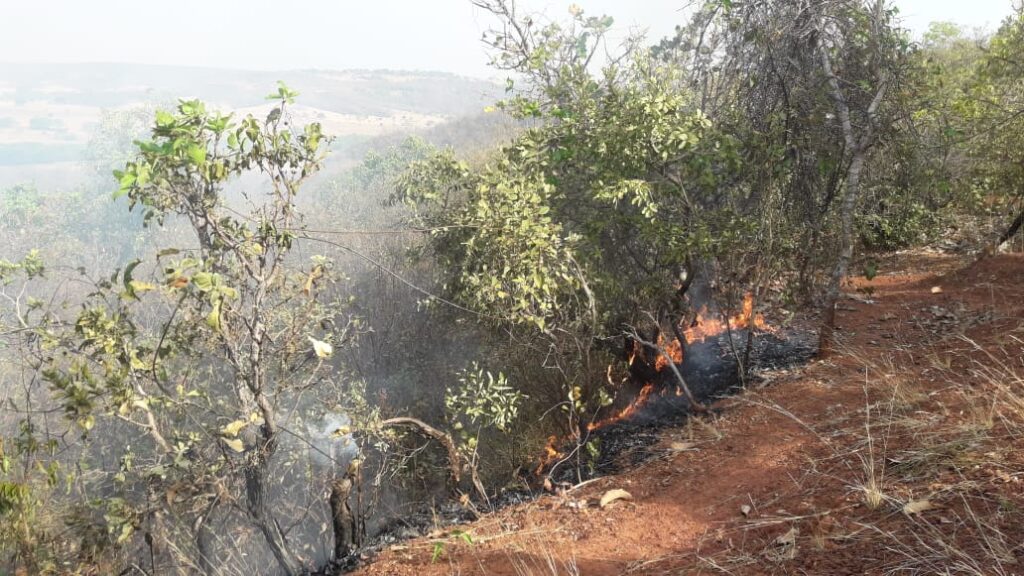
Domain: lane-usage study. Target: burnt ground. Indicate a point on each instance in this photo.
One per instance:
(714, 375)
(903, 453)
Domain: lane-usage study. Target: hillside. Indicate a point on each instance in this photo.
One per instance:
(743, 300)
(48, 112)
(900, 454)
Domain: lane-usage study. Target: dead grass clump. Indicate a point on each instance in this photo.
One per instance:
(960, 542)
(536, 557)
(950, 444)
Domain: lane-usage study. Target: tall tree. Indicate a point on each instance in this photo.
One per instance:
(862, 58)
(211, 359)
(810, 86)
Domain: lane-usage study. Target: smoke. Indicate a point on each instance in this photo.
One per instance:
(333, 446)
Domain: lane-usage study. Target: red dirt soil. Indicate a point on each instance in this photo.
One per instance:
(774, 482)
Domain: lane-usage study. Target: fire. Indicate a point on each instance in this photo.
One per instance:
(704, 326)
(674, 349)
(551, 454)
(627, 412)
(708, 326)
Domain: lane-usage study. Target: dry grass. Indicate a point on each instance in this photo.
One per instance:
(538, 559)
(945, 440)
(967, 545)
(933, 457)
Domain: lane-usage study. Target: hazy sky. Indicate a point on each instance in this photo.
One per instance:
(331, 34)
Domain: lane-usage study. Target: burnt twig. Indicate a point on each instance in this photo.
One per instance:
(696, 404)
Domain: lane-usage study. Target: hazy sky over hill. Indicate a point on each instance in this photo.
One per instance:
(331, 34)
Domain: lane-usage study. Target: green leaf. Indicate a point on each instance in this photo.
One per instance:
(164, 119)
(126, 532)
(197, 154)
(126, 179)
(283, 93)
(438, 550)
(227, 292)
(213, 318)
(204, 281)
(127, 277)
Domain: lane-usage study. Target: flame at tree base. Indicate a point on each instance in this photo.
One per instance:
(551, 454)
(705, 326)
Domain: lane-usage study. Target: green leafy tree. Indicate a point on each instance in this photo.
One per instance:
(29, 476)
(211, 355)
(996, 107)
(585, 221)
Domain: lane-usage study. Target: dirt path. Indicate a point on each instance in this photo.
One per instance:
(899, 452)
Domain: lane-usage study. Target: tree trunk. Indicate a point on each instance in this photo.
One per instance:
(342, 519)
(205, 541)
(1012, 230)
(857, 148)
(847, 210)
(256, 474)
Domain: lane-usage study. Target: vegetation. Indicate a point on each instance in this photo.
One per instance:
(262, 349)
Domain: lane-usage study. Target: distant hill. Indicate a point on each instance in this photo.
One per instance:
(49, 111)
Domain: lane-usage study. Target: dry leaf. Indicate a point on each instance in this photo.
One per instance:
(783, 547)
(682, 446)
(574, 504)
(916, 507)
(614, 495)
(139, 286)
(231, 430)
(936, 289)
(235, 444)
(859, 298)
(789, 538)
(313, 277)
(322, 349)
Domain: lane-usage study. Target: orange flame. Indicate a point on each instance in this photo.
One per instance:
(704, 326)
(627, 412)
(674, 349)
(708, 326)
(551, 454)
